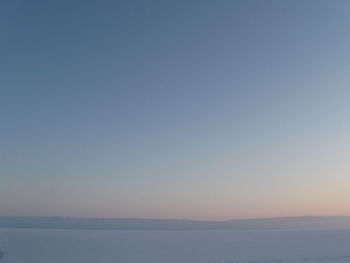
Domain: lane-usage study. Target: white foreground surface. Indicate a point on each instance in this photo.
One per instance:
(244, 246)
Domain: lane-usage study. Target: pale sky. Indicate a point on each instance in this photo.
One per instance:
(175, 109)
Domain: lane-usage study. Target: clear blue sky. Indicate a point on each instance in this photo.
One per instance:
(186, 109)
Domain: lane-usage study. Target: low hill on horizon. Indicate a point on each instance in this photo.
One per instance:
(307, 222)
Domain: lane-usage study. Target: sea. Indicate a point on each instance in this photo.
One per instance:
(112, 246)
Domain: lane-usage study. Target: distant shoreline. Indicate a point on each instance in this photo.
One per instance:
(136, 224)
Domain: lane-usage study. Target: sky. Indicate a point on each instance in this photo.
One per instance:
(190, 109)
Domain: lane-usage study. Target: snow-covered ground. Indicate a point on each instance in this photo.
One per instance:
(244, 246)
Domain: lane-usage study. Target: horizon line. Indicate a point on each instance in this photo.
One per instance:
(178, 219)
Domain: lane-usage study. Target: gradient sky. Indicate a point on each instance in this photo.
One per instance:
(175, 109)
